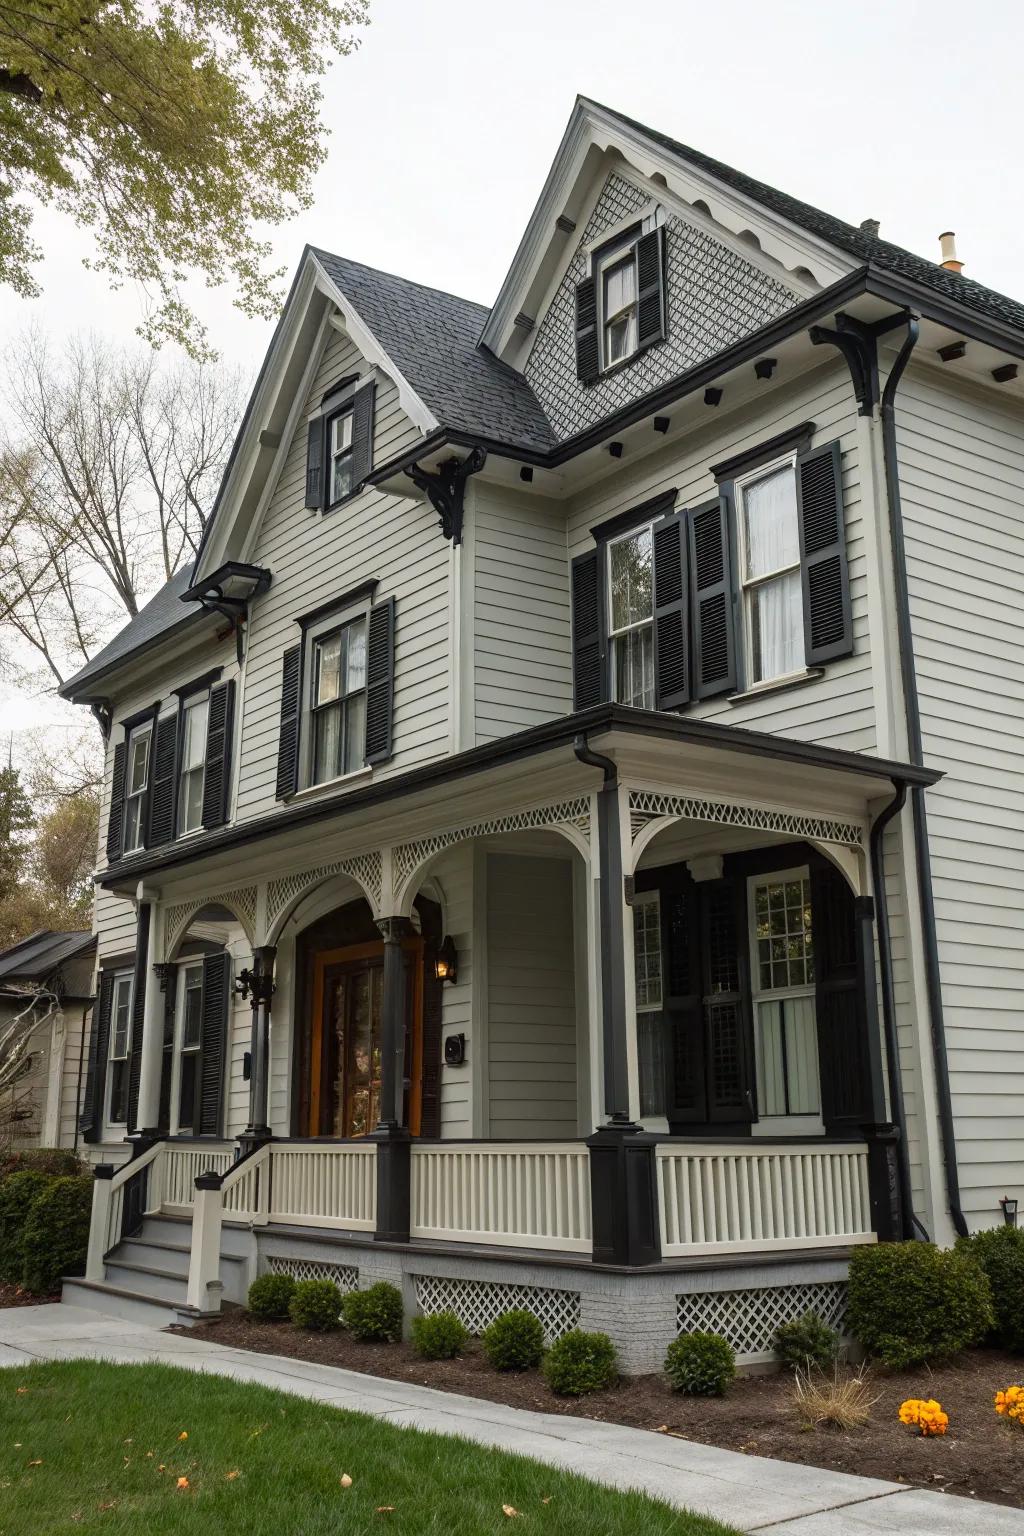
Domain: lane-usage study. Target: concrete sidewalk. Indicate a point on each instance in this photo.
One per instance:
(750, 1492)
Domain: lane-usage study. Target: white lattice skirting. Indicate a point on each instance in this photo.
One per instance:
(748, 1319)
(476, 1303)
(345, 1276)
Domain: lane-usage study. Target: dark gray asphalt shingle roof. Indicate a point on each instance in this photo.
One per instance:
(856, 242)
(39, 955)
(433, 338)
(162, 613)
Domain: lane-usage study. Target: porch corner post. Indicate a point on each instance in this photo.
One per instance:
(881, 1134)
(99, 1220)
(203, 1288)
(147, 1118)
(394, 1144)
(258, 986)
(623, 1171)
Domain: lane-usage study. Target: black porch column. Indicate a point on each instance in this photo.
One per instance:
(883, 1137)
(258, 985)
(623, 1187)
(394, 1146)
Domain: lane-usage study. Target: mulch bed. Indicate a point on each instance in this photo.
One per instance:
(981, 1456)
(14, 1296)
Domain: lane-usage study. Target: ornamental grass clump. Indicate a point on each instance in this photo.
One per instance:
(439, 1337)
(270, 1297)
(805, 1343)
(580, 1362)
(514, 1341)
(316, 1305)
(374, 1314)
(1010, 1404)
(912, 1303)
(700, 1364)
(925, 1415)
(832, 1402)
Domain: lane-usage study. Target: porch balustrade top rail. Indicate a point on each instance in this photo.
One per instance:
(514, 1194)
(750, 1197)
(176, 1167)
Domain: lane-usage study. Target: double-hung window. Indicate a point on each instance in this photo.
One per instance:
(136, 785)
(785, 1028)
(618, 300)
(339, 701)
(631, 615)
(120, 1045)
(190, 1047)
(769, 540)
(339, 456)
(195, 716)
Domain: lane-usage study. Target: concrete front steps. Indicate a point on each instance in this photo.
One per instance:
(145, 1277)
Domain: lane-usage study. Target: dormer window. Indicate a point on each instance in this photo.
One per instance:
(339, 439)
(618, 307)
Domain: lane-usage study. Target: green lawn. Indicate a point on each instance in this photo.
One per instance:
(86, 1447)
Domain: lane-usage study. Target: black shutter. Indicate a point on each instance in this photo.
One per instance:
(217, 772)
(138, 1014)
(714, 659)
(314, 463)
(115, 821)
(589, 647)
(91, 1119)
(650, 286)
(170, 990)
(362, 433)
(163, 792)
(288, 739)
(842, 1048)
(588, 361)
(828, 626)
(726, 1002)
(216, 976)
(380, 681)
(671, 601)
(680, 927)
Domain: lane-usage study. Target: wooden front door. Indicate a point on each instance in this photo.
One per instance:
(346, 1043)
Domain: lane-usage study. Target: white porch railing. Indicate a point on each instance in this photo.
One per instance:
(754, 1198)
(172, 1183)
(324, 1184)
(108, 1199)
(530, 1196)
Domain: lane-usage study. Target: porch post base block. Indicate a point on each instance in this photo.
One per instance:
(624, 1197)
(884, 1182)
(394, 1183)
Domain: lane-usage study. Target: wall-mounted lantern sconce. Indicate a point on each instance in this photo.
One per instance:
(446, 961)
(1009, 1207)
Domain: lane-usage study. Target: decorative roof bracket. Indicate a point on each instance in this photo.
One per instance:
(856, 341)
(445, 489)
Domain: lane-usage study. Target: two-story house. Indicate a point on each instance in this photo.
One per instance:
(563, 837)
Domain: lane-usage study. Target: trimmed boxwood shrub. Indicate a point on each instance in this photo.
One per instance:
(55, 1240)
(700, 1364)
(439, 1337)
(1000, 1253)
(316, 1305)
(911, 1303)
(806, 1342)
(375, 1313)
(18, 1194)
(514, 1341)
(580, 1362)
(270, 1296)
(57, 1162)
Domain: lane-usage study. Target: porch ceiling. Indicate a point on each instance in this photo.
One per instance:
(656, 752)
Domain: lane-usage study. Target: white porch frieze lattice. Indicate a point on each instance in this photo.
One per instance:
(647, 805)
(409, 858)
(241, 902)
(366, 869)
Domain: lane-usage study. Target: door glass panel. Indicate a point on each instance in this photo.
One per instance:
(355, 1030)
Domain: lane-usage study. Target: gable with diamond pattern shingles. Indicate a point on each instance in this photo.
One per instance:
(714, 297)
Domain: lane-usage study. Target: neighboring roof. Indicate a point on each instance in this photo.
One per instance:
(162, 613)
(433, 339)
(41, 953)
(857, 242)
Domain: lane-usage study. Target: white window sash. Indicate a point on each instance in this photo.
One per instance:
(807, 1121)
(750, 585)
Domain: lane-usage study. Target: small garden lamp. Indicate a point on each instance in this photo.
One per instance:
(1009, 1207)
(446, 961)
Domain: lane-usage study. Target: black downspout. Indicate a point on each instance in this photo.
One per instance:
(911, 1224)
(922, 851)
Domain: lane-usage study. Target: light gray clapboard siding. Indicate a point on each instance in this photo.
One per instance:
(452, 881)
(521, 655)
(836, 709)
(314, 558)
(961, 455)
(531, 1008)
(77, 1022)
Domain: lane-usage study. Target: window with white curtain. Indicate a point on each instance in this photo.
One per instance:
(339, 702)
(619, 307)
(631, 618)
(782, 976)
(120, 1048)
(195, 720)
(769, 539)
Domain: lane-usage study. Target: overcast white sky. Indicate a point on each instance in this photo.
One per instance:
(445, 122)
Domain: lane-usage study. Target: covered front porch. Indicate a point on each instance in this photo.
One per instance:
(620, 1008)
